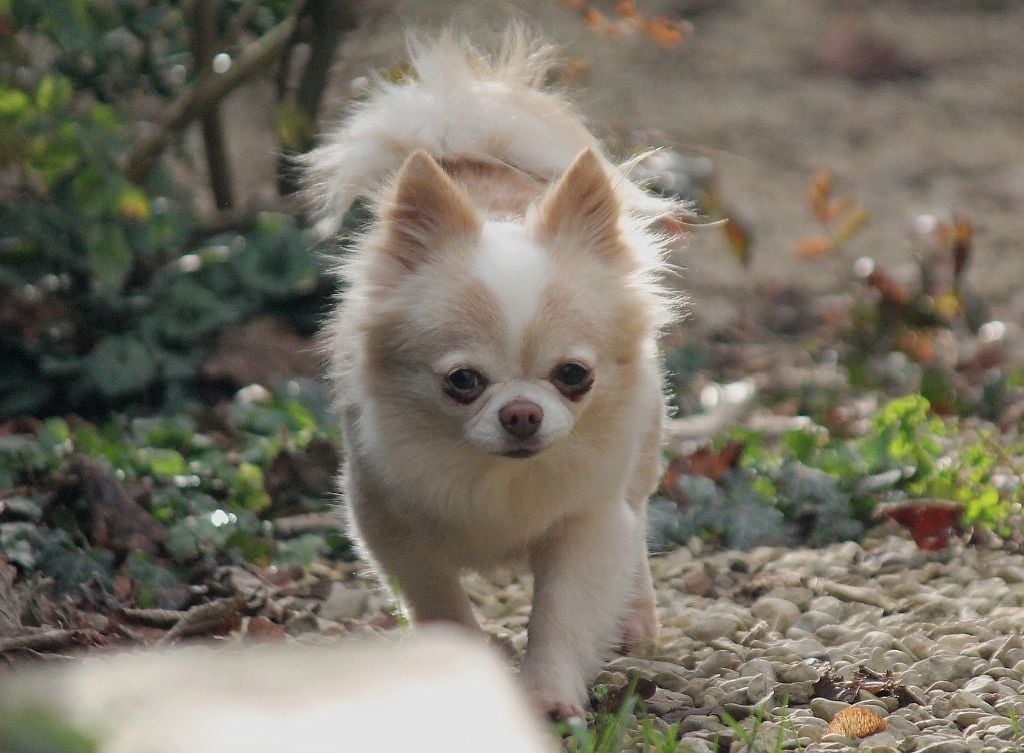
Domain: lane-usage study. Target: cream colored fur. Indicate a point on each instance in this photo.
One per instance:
(508, 244)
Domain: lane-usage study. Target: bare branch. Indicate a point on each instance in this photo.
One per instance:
(204, 94)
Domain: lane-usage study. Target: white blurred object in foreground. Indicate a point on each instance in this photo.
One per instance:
(435, 691)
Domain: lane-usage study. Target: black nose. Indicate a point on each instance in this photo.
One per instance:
(521, 418)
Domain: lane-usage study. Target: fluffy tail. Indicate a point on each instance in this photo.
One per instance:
(457, 103)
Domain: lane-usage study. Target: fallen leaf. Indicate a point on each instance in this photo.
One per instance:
(263, 630)
(117, 522)
(815, 246)
(856, 722)
(892, 292)
(702, 462)
(738, 237)
(10, 603)
(961, 245)
(931, 521)
(310, 471)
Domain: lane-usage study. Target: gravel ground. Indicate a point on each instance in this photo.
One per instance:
(784, 639)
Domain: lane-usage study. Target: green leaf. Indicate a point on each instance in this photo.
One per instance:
(108, 254)
(162, 462)
(195, 535)
(39, 729)
(14, 104)
(119, 366)
(53, 93)
(249, 493)
(148, 577)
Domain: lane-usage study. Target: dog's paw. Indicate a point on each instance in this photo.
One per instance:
(640, 627)
(555, 707)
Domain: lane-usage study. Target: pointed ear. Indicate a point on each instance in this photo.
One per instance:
(583, 205)
(426, 209)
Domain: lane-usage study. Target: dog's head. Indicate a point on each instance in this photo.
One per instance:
(508, 336)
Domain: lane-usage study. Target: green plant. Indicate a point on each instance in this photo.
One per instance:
(114, 282)
(214, 492)
(814, 486)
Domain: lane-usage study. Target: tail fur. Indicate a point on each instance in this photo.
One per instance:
(458, 102)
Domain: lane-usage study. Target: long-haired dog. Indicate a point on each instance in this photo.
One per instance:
(494, 352)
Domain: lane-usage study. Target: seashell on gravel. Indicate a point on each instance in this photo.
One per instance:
(856, 722)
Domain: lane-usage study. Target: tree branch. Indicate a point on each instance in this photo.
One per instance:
(204, 94)
(204, 44)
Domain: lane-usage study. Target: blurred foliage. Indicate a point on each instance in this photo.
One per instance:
(37, 729)
(109, 296)
(810, 486)
(215, 482)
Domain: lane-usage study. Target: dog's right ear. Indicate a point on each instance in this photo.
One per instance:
(427, 210)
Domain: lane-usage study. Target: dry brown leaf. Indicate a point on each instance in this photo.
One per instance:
(856, 722)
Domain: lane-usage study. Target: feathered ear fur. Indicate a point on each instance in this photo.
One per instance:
(583, 205)
(426, 211)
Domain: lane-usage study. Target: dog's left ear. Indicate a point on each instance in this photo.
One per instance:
(582, 206)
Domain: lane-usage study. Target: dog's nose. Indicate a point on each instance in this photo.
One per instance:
(521, 418)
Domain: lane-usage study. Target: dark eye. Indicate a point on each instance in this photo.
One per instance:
(572, 379)
(464, 385)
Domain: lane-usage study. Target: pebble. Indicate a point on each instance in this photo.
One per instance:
(946, 625)
(778, 613)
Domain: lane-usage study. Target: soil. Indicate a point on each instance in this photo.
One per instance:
(916, 107)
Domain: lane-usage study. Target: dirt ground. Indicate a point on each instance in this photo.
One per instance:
(917, 107)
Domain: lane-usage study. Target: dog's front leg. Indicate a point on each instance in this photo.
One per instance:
(583, 574)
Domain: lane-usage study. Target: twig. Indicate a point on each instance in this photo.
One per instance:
(204, 43)
(199, 98)
(205, 618)
(239, 20)
(235, 219)
(47, 641)
(328, 21)
(294, 525)
(161, 618)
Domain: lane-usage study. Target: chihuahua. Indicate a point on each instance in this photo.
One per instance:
(493, 352)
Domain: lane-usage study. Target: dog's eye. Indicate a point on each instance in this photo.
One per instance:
(464, 385)
(572, 379)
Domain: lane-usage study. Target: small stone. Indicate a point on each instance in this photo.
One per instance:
(980, 684)
(696, 722)
(713, 627)
(696, 581)
(757, 667)
(942, 746)
(942, 707)
(344, 603)
(794, 693)
(797, 673)
(835, 737)
(758, 688)
(778, 613)
(916, 645)
(942, 667)
(881, 740)
(860, 594)
(966, 717)
(825, 709)
(813, 620)
(964, 699)
(669, 681)
(716, 661)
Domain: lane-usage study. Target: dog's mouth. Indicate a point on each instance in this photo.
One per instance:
(521, 452)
